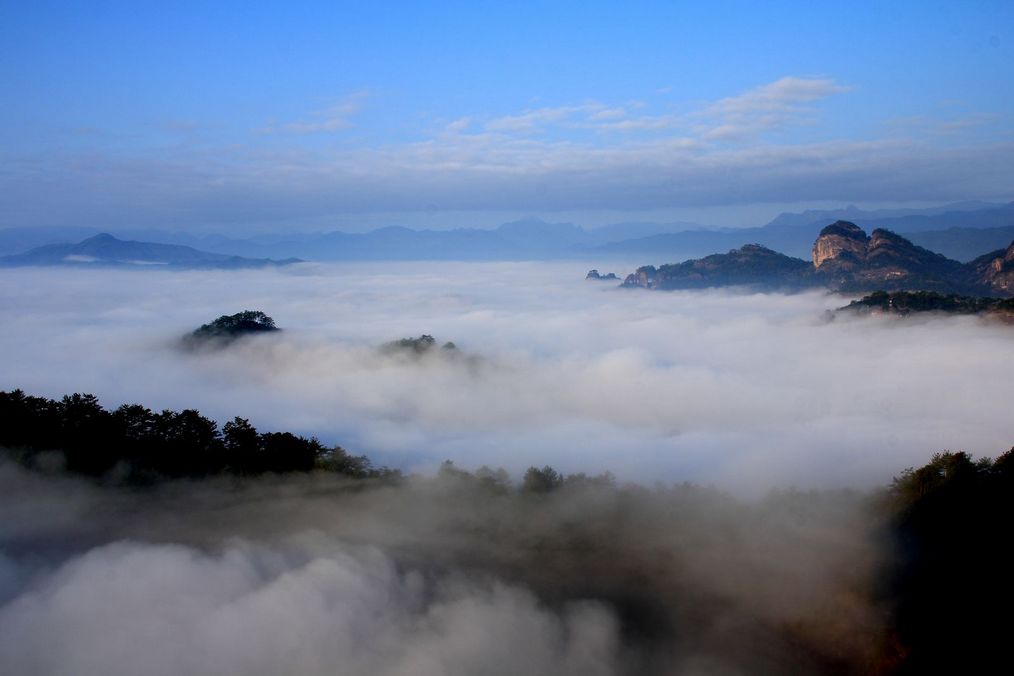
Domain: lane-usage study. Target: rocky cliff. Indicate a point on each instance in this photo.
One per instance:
(849, 260)
(841, 245)
(995, 270)
(845, 259)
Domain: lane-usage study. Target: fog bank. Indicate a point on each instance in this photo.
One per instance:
(442, 575)
(745, 390)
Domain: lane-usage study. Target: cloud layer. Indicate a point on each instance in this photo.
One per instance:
(309, 575)
(749, 391)
(626, 157)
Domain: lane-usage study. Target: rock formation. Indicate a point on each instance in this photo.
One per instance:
(996, 271)
(841, 245)
(845, 259)
(848, 260)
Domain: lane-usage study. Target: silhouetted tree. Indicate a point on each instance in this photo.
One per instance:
(86, 431)
(541, 480)
(286, 452)
(496, 480)
(950, 582)
(151, 445)
(227, 328)
(242, 445)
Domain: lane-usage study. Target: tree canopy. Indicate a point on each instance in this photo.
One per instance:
(148, 445)
(230, 327)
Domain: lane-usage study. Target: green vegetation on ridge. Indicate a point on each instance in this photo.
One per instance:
(908, 302)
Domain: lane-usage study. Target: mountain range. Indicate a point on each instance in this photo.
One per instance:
(960, 231)
(843, 259)
(105, 250)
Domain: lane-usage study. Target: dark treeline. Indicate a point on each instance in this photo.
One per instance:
(908, 302)
(143, 445)
(950, 582)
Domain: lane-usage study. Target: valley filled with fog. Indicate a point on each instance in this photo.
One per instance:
(741, 390)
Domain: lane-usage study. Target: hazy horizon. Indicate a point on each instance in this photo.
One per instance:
(191, 119)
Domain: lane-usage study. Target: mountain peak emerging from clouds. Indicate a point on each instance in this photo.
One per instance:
(844, 259)
(106, 250)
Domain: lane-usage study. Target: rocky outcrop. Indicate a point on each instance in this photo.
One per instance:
(845, 259)
(995, 271)
(595, 275)
(841, 244)
(849, 260)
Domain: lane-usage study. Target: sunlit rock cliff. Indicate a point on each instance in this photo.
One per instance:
(845, 259)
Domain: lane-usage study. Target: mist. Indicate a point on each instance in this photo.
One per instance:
(440, 575)
(744, 391)
(745, 532)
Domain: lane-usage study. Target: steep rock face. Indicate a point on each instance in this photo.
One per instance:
(644, 277)
(841, 244)
(848, 260)
(750, 265)
(845, 259)
(995, 271)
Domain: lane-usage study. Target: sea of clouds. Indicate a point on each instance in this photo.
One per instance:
(435, 576)
(438, 575)
(744, 390)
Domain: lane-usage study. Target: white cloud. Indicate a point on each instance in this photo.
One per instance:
(139, 609)
(308, 575)
(745, 390)
(459, 125)
(333, 118)
(579, 157)
(531, 120)
(767, 107)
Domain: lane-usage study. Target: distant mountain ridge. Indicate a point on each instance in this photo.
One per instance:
(793, 234)
(535, 239)
(845, 259)
(106, 250)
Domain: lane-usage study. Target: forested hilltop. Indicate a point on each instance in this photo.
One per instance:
(144, 445)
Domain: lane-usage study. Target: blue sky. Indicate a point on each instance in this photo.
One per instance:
(246, 117)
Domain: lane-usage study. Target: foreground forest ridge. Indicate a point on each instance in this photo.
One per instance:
(910, 578)
(146, 446)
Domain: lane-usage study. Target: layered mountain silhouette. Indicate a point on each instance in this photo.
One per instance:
(844, 258)
(961, 230)
(106, 250)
